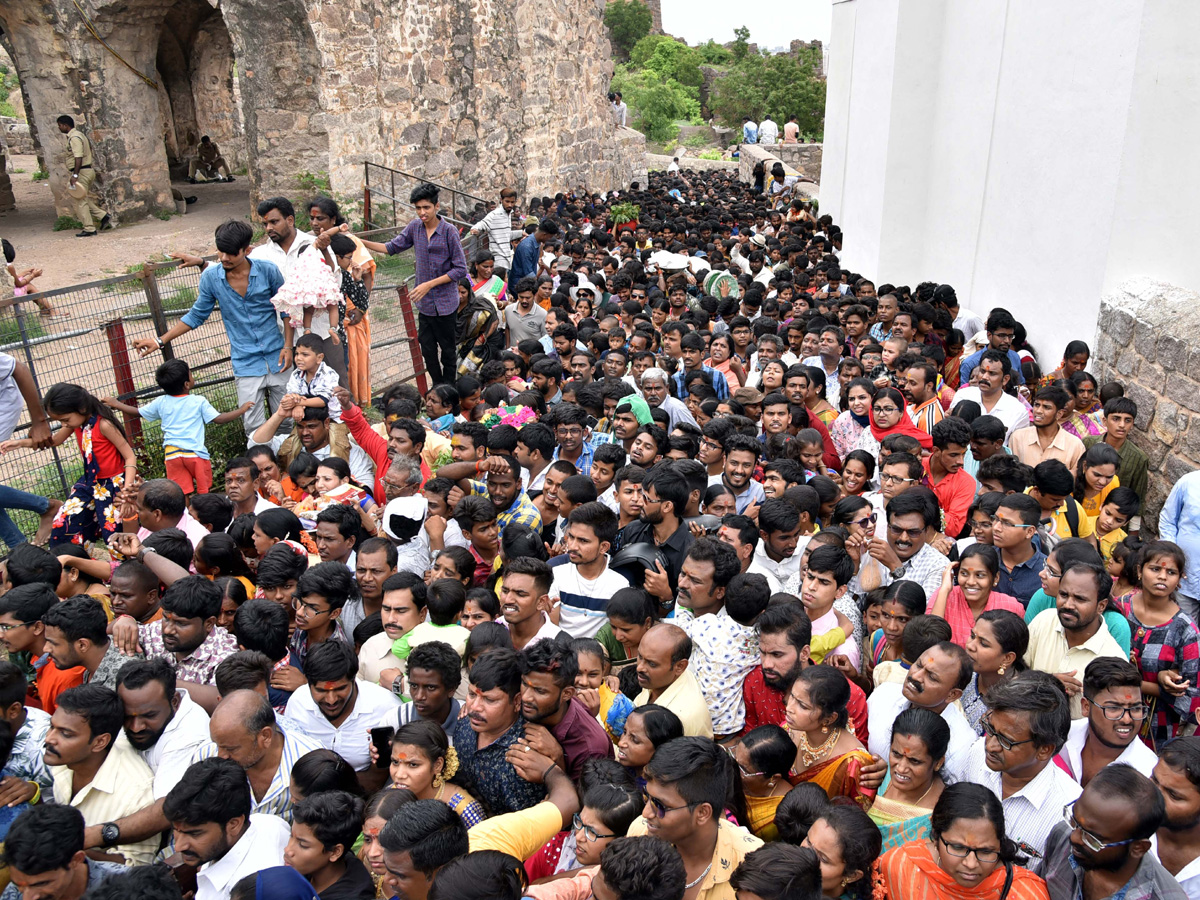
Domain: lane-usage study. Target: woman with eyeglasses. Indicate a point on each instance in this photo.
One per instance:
(969, 590)
(965, 856)
(914, 783)
(855, 417)
(979, 520)
(888, 415)
(827, 752)
(608, 811)
(764, 757)
(997, 646)
(1065, 553)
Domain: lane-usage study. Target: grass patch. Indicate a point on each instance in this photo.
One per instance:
(10, 328)
(179, 301)
(41, 175)
(241, 170)
(165, 214)
(66, 223)
(20, 171)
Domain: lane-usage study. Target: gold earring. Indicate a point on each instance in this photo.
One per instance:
(824, 729)
(1000, 671)
(438, 781)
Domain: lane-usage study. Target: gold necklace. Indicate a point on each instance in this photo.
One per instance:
(809, 755)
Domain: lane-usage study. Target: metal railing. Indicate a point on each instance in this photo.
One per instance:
(386, 205)
(93, 348)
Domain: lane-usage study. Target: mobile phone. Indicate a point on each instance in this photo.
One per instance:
(382, 739)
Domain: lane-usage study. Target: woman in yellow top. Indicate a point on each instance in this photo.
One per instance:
(764, 757)
(1096, 477)
(827, 753)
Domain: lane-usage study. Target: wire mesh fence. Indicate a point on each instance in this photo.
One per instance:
(92, 347)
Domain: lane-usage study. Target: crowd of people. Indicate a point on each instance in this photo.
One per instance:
(706, 569)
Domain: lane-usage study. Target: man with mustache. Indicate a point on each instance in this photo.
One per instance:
(166, 727)
(492, 726)
(1062, 641)
(1113, 712)
(935, 681)
(212, 827)
(784, 633)
(905, 555)
(1103, 846)
(103, 778)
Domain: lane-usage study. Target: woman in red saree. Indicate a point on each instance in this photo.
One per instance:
(826, 752)
(965, 857)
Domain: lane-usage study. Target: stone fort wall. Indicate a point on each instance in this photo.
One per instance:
(1145, 338)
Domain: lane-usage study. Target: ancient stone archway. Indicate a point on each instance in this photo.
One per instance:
(196, 85)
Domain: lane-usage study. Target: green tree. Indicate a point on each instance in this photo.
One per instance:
(780, 85)
(655, 102)
(741, 43)
(713, 54)
(669, 58)
(628, 22)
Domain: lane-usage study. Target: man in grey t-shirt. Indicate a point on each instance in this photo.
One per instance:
(525, 320)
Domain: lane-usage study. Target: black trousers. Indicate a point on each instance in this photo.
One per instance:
(434, 332)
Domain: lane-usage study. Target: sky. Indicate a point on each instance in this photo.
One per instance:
(772, 23)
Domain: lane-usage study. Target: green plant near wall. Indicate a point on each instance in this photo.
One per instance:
(620, 213)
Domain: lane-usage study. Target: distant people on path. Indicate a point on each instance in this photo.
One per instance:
(82, 173)
(209, 162)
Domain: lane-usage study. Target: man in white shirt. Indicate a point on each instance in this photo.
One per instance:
(1113, 712)
(620, 109)
(782, 546)
(742, 534)
(212, 828)
(935, 682)
(990, 376)
(768, 131)
(498, 226)
(583, 586)
(1026, 724)
(339, 711)
(285, 241)
(166, 727)
(724, 649)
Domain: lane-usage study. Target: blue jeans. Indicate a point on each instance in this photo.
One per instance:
(11, 498)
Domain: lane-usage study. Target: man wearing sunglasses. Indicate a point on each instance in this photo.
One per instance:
(685, 793)
(1113, 713)
(905, 554)
(1101, 846)
(1027, 723)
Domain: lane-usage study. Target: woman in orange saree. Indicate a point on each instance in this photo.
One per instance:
(826, 752)
(965, 857)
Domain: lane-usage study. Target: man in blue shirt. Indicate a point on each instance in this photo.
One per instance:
(244, 288)
(749, 130)
(1179, 522)
(1000, 327)
(525, 257)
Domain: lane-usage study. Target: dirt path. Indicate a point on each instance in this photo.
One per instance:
(68, 260)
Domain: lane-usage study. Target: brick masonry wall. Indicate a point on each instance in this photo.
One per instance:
(1145, 340)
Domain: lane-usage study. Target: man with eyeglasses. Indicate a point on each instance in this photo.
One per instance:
(1064, 640)
(1013, 528)
(905, 554)
(1113, 712)
(571, 430)
(1101, 847)
(685, 789)
(1026, 724)
(321, 592)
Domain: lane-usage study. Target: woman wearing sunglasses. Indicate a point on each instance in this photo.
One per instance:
(965, 856)
(764, 756)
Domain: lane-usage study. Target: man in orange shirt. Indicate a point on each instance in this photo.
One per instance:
(24, 635)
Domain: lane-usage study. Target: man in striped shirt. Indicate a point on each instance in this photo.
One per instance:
(920, 389)
(498, 226)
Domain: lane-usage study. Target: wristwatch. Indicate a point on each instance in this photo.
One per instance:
(143, 551)
(110, 833)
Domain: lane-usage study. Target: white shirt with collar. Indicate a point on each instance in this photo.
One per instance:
(1137, 754)
(272, 252)
(1008, 409)
(887, 702)
(260, 847)
(1189, 876)
(756, 568)
(172, 753)
(785, 568)
(373, 707)
(1032, 812)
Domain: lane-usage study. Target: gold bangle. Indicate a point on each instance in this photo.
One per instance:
(37, 792)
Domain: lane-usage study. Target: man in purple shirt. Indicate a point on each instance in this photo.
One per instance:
(554, 718)
(440, 266)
